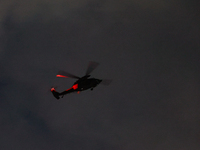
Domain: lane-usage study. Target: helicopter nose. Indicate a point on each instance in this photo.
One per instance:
(99, 81)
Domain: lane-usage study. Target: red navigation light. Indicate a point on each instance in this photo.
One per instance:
(75, 86)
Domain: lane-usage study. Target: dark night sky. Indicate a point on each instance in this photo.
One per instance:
(149, 49)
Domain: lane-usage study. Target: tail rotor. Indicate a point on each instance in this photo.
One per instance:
(55, 93)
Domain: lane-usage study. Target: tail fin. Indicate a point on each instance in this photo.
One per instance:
(55, 93)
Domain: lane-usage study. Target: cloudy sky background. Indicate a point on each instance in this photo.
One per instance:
(149, 49)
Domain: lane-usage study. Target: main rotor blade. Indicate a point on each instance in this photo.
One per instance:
(91, 66)
(64, 74)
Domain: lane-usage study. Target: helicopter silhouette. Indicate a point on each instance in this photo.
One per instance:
(83, 83)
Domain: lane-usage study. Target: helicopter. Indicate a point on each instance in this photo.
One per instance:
(83, 83)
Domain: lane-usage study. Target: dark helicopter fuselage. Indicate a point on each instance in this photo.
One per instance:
(85, 83)
(81, 84)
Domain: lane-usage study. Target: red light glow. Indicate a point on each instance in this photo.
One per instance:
(52, 89)
(69, 89)
(61, 76)
(75, 86)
